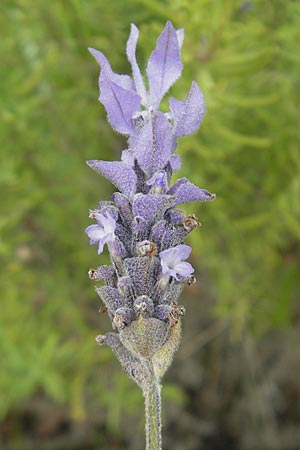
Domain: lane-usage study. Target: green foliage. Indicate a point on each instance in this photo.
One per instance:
(49, 126)
(245, 57)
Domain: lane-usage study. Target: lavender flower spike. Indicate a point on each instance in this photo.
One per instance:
(144, 229)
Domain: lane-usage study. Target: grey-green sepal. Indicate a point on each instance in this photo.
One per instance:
(145, 336)
(138, 370)
(162, 359)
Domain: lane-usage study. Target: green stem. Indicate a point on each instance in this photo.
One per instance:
(153, 415)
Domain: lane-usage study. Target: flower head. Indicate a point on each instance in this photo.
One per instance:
(103, 232)
(142, 225)
(172, 262)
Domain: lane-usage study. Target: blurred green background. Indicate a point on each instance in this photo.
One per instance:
(235, 382)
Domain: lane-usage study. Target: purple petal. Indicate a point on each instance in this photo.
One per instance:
(108, 222)
(184, 269)
(154, 144)
(158, 182)
(125, 81)
(175, 255)
(188, 113)
(120, 104)
(94, 232)
(183, 251)
(180, 36)
(158, 179)
(119, 173)
(137, 76)
(128, 157)
(151, 206)
(164, 65)
(185, 191)
(166, 270)
(100, 246)
(175, 162)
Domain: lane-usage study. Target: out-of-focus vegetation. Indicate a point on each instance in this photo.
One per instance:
(235, 383)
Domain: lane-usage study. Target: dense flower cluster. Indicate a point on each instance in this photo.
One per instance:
(142, 225)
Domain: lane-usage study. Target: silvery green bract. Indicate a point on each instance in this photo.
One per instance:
(142, 226)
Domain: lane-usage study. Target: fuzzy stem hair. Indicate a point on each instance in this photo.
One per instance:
(152, 394)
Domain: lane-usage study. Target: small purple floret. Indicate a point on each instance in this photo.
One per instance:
(103, 232)
(158, 182)
(173, 264)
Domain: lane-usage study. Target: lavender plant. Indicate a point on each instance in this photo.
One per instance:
(142, 226)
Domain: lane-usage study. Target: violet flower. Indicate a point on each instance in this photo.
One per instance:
(103, 232)
(142, 225)
(172, 262)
